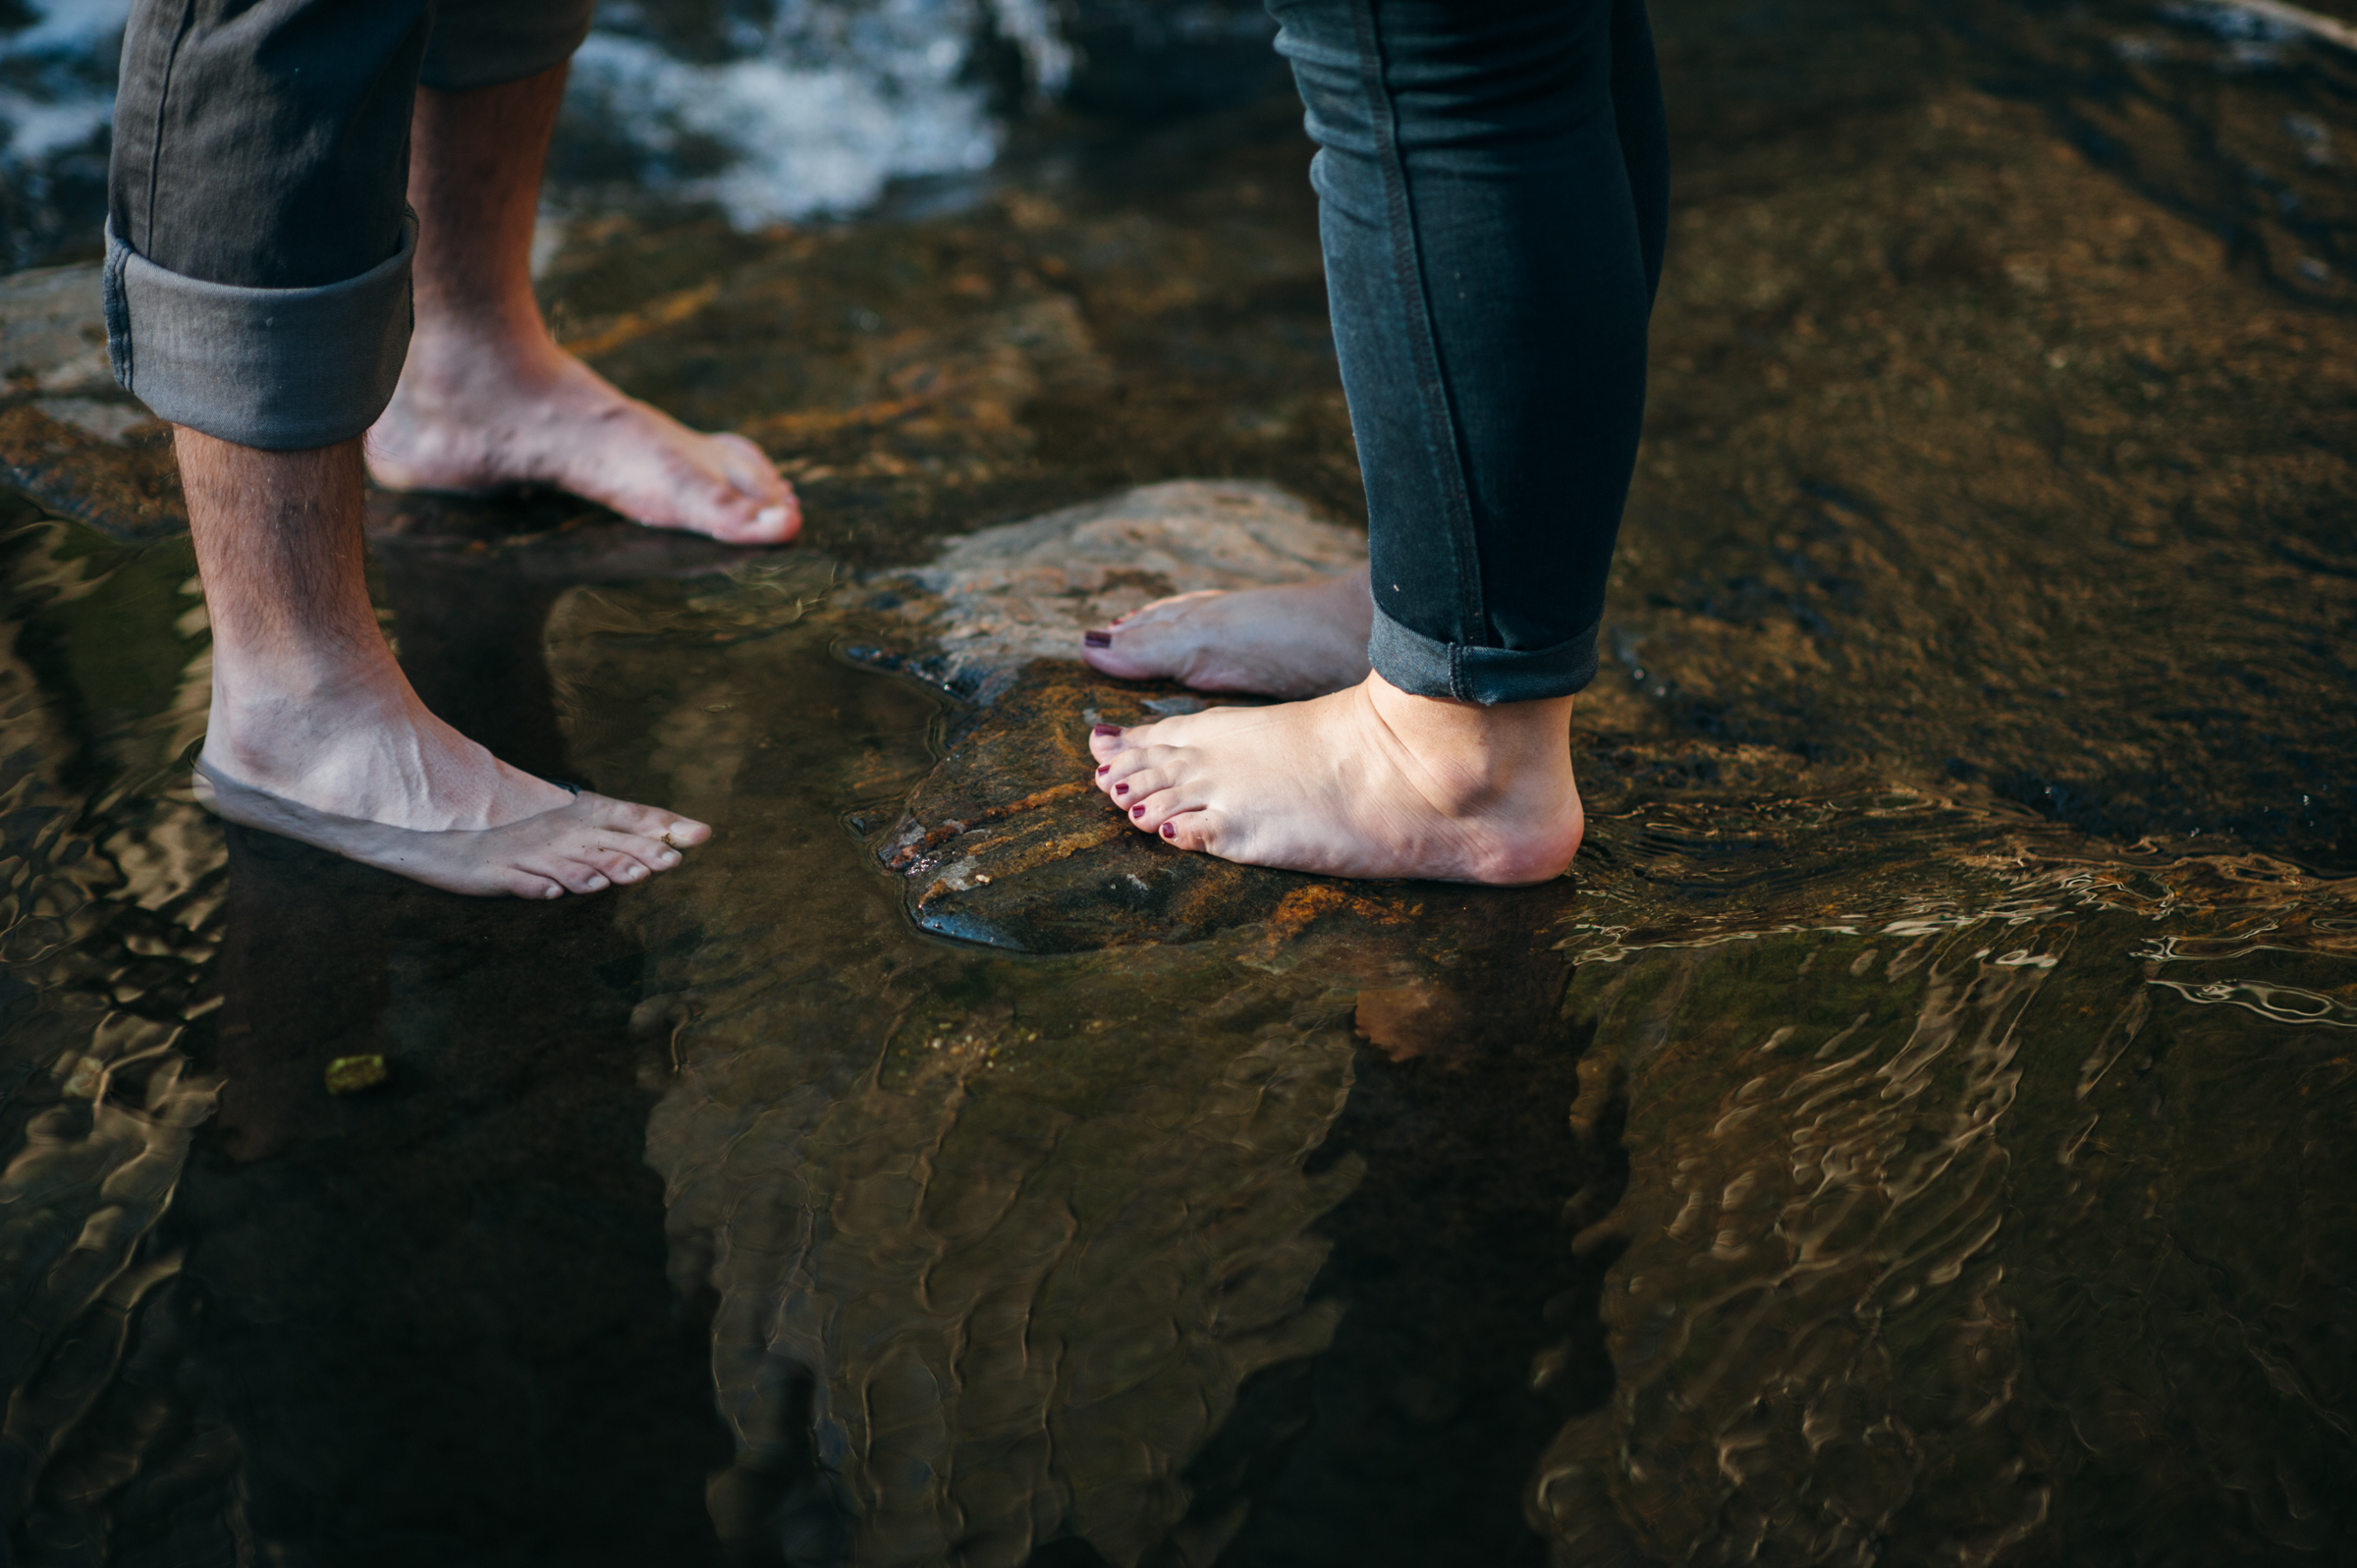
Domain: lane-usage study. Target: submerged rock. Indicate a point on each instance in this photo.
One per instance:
(77, 444)
(1007, 843)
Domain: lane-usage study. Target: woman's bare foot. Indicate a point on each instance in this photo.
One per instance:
(356, 765)
(1298, 640)
(474, 415)
(1367, 782)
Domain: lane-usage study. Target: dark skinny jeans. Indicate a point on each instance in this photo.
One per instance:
(1493, 184)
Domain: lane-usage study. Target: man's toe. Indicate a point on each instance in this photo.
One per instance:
(748, 468)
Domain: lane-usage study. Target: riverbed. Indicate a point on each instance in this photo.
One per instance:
(1917, 1130)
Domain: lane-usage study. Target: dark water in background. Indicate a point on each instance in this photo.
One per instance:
(1917, 1132)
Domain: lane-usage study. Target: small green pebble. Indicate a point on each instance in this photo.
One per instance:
(348, 1075)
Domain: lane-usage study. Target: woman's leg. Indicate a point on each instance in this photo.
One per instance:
(1490, 177)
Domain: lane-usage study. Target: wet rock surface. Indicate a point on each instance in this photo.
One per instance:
(1854, 1159)
(996, 600)
(69, 437)
(1007, 843)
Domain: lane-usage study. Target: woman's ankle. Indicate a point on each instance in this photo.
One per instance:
(1479, 753)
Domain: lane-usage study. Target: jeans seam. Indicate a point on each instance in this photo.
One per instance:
(155, 149)
(116, 303)
(1407, 267)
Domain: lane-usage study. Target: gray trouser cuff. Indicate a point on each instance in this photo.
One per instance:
(1424, 667)
(282, 369)
(476, 43)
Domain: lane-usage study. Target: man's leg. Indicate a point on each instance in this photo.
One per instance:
(257, 296)
(486, 397)
(310, 710)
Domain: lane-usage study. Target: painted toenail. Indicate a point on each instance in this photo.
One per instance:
(1120, 789)
(1104, 767)
(1169, 831)
(1106, 730)
(1138, 810)
(1097, 639)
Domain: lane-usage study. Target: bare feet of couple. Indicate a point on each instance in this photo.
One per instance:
(317, 735)
(1356, 778)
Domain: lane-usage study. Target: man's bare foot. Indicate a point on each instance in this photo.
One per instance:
(475, 416)
(316, 733)
(1298, 640)
(359, 768)
(1367, 782)
(487, 397)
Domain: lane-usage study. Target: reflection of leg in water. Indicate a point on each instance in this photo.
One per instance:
(429, 1323)
(1470, 1331)
(487, 397)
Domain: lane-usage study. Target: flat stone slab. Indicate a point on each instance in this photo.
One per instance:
(996, 600)
(69, 437)
(53, 329)
(1010, 844)
(104, 464)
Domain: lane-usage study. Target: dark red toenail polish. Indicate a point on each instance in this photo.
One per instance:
(1120, 789)
(1138, 811)
(1097, 639)
(1104, 767)
(1106, 730)
(1169, 831)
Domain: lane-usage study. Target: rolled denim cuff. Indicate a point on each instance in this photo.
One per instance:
(482, 43)
(1424, 667)
(282, 369)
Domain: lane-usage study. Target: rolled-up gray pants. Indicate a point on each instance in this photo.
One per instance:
(258, 236)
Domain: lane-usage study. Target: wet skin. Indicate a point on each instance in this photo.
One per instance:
(1358, 780)
(1366, 782)
(315, 734)
(1298, 641)
(486, 399)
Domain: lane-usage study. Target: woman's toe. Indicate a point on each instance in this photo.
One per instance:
(1190, 829)
(1151, 812)
(1128, 790)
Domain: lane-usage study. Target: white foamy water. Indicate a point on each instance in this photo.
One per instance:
(820, 109)
(813, 112)
(59, 92)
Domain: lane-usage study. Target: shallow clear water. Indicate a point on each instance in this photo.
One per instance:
(1916, 1132)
